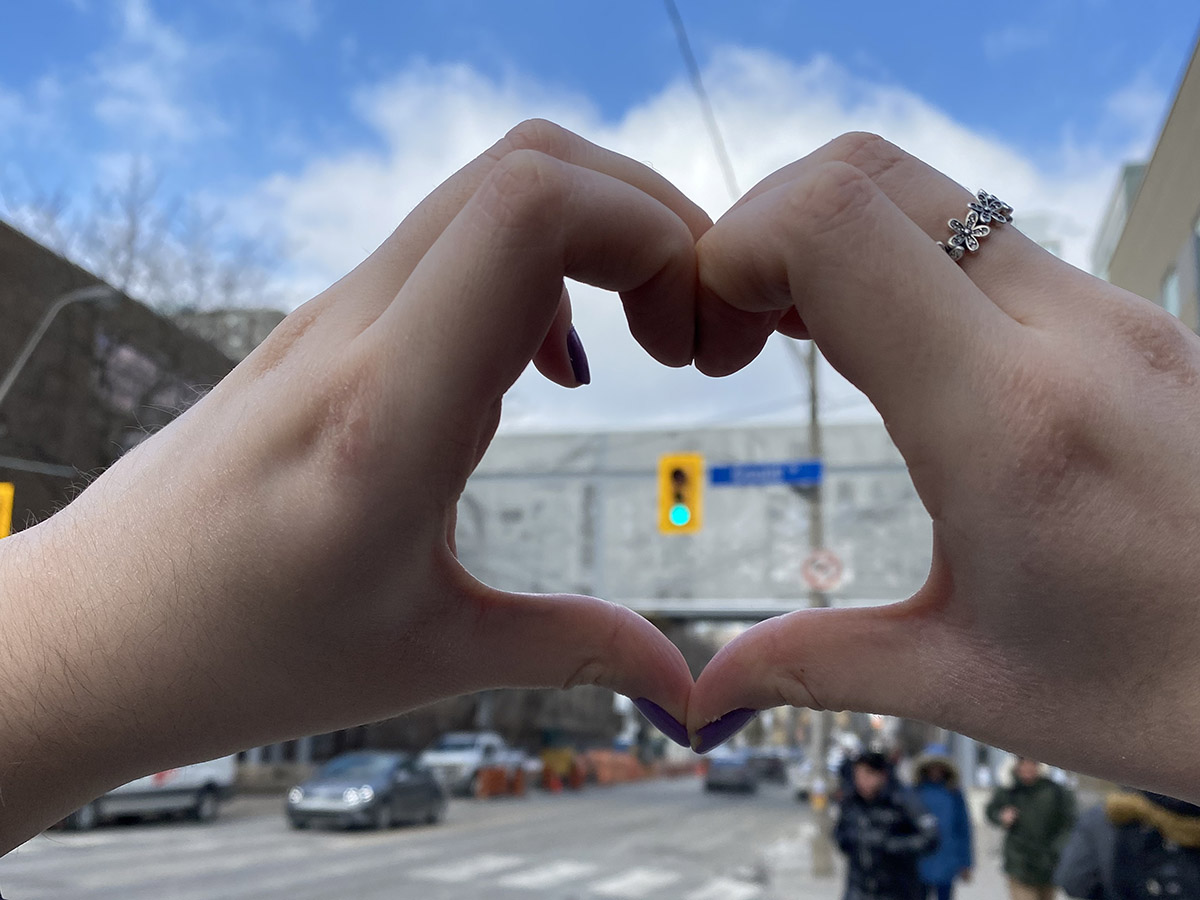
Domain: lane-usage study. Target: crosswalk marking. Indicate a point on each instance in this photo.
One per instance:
(636, 883)
(466, 870)
(292, 880)
(548, 876)
(128, 876)
(726, 889)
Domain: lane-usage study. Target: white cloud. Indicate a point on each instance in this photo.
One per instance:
(431, 120)
(142, 80)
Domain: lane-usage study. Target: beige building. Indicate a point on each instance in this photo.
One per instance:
(1149, 242)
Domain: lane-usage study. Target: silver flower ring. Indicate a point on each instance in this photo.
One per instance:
(983, 213)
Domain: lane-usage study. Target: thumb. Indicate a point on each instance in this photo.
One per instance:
(563, 640)
(875, 659)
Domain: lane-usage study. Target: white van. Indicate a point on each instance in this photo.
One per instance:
(196, 790)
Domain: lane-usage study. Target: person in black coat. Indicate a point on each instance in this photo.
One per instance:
(884, 831)
(1136, 845)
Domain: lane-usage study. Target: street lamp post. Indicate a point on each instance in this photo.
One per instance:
(97, 293)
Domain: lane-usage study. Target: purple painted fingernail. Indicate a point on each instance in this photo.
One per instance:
(579, 363)
(718, 732)
(663, 721)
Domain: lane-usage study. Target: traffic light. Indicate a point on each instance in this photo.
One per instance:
(680, 493)
(6, 505)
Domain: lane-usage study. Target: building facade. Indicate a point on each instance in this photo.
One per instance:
(100, 379)
(579, 512)
(1149, 242)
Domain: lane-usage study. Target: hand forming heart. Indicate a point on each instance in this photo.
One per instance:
(280, 561)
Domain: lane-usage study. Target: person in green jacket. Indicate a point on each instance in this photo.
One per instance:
(1038, 815)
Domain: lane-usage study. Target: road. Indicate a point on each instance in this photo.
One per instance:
(663, 839)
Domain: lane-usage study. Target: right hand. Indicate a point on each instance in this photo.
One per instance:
(1051, 425)
(1009, 816)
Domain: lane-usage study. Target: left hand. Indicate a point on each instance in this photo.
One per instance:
(280, 560)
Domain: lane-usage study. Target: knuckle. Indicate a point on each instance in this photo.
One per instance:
(791, 688)
(524, 190)
(1053, 418)
(868, 152)
(347, 424)
(285, 336)
(593, 667)
(538, 134)
(1159, 342)
(836, 198)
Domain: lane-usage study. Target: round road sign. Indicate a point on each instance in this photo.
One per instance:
(822, 571)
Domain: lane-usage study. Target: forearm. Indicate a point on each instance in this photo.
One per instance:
(70, 711)
(93, 687)
(131, 643)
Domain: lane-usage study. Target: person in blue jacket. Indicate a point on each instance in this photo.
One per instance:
(937, 786)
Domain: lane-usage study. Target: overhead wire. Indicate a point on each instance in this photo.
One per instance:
(710, 118)
(718, 142)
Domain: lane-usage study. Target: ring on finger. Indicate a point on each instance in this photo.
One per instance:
(983, 213)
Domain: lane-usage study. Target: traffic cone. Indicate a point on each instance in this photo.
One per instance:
(517, 786)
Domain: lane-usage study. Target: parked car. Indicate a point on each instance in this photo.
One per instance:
(456, 758)
(370, 788)
(771, 763)
(731, 770)
(196, 790)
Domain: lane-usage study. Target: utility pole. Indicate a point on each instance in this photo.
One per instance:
(818, 751)
(822, 842)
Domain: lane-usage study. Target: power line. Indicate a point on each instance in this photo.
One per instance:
(714, 132)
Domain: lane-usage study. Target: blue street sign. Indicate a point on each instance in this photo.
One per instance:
(805, 472)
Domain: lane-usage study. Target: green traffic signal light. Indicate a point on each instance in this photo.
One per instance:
(679, 515)
(680, 497)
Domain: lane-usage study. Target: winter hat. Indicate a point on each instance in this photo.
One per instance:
(936, 755)
(873, 760)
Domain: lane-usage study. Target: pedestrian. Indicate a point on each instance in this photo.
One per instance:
(1137, 845)
(939, 790)
(1037, 815)
(883, 830)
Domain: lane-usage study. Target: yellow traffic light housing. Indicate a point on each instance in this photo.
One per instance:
(6, 506)
(680, 493)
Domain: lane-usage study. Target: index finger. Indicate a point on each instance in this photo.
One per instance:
(1015, 272)
(888, 308)
(482, 299)
(377, 280)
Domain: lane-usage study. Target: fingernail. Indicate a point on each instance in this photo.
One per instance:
(579, 363)
(714, 734)
(663, 721)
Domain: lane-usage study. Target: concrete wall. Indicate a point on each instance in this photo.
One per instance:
(579, 513)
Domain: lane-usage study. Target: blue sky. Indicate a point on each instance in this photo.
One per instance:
(319, 124)
(265, 84)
